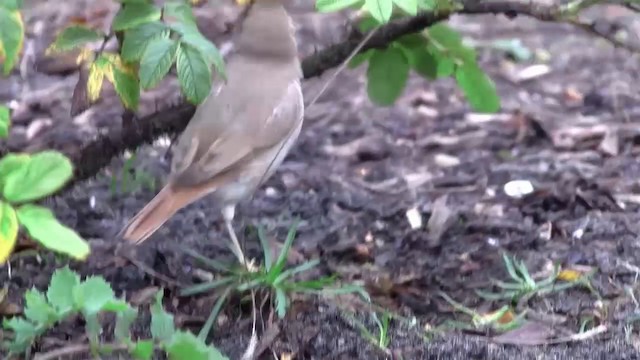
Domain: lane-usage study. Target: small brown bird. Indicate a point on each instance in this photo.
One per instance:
(239, 135)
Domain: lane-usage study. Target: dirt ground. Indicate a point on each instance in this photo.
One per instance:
(568, 125)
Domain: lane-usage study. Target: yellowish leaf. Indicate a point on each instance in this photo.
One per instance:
(507, 317)
(85, 55)
(8, 231)
(94, 82)
(11, 38)
(569, 275)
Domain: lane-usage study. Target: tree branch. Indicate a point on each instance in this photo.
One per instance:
(98, 153)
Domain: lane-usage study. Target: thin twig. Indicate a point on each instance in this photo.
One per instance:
(74, 350)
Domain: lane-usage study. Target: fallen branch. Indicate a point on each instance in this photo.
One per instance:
(98, 153)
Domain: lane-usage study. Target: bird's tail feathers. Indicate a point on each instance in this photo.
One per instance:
(162, 207)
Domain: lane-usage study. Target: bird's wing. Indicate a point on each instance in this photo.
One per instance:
(258, 127)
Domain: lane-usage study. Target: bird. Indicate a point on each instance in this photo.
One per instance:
(241, 133)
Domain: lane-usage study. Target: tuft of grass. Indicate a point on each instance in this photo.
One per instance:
(272, 276)
(522, 286)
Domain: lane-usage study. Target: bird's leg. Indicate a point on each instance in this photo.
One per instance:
(228, 212)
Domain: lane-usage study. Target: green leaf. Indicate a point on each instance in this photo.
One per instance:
(446, 65)
(134, 14)
(124, 319)
(478, 88)
(8, 230)
(24, 333)
(194, 74)
(162, 326)
(185, 345)
(92, 295)
(423, 62)
(409, 6)
(360, 58)
(42, 175)
(116, 306)
(11, 4)
(5, 121)
(37, 309)
(63, 282)
(127, 88)
(12, 162)
(380, 9)
(450, 42)
(48, 231)
(11, 37)
(335, 5)
(180, 11)
(281, 303)
(156, 61)
(136, 40)
(143, 350)
(387, 75)
(73, 37)
(207, 48)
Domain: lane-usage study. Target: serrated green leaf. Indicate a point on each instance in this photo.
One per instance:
(134, 14)
(207, 48)
(194, 74)
(409, 6)
(336, 5)
(387, 75)
(185, 345)
(124, 319)
(73, 37)
(156, 61)
(42, 175)
(5, 121)
(37, 309)
(24, 333)
(48, 231)
(380, 9)
(62, 285)
(92, 295)
(143, 350)
(11, 38)
(8, 230)
(127, 88)
(136, 40)
(449, 42)
(162, 326)
(180, 11)
(478, 88)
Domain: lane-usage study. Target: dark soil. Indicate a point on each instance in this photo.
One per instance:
(356, 171)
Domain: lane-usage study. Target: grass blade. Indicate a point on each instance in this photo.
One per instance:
(266, 251)
(282, 257)
(206, 328)
(200, 288)
(281, 302)
(214, 264)
(298, 269)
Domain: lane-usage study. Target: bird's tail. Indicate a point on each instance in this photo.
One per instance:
(162, 207)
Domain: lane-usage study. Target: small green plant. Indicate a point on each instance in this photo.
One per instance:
(382, 338)
(68, 296)
(524, 286)
(271, 276)
(24, 179)
(501, 320)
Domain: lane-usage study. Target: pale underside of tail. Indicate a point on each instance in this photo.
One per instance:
(160, 209)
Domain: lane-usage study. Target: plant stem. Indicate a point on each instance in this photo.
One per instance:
(76, 349)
